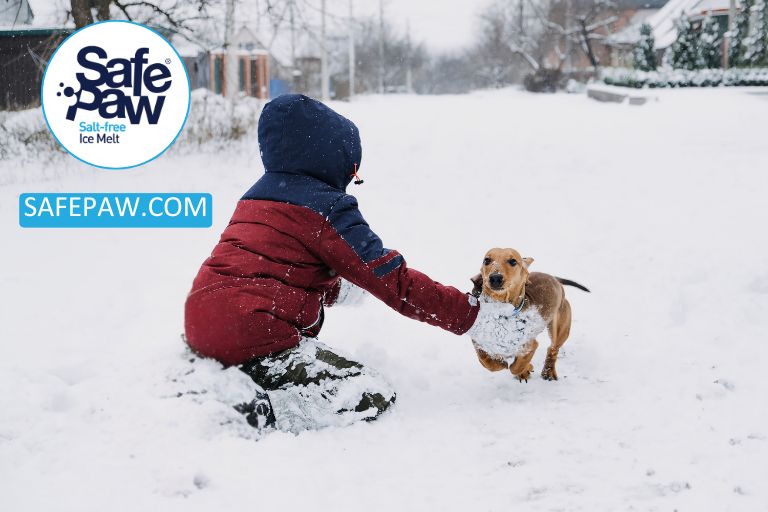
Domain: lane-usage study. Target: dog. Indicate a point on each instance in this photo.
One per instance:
(504, 277)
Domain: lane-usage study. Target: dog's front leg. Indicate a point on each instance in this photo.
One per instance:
(490, 363)
(521, 367)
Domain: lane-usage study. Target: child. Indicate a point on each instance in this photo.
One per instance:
(296, 243)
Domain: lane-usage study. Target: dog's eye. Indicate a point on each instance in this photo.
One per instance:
(487, 261)
(512, 262)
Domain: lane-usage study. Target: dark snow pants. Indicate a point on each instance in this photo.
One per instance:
(310, 387)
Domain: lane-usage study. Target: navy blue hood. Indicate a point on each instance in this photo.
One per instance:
(301, 136)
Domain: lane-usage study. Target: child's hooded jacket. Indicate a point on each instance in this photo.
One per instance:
(290, 239)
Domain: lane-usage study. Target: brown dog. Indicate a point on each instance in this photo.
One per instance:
(504, 277)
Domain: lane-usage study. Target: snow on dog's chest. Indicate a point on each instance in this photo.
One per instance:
(525, 326)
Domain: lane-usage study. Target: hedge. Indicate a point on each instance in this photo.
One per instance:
(685, 78)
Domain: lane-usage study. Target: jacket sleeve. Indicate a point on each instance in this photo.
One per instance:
(349, 246)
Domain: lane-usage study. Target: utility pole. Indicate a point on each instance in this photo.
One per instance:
(731, 29)
(324, 77)
(351, 50)
(231, 71)
(293, 34)
(568, 43)
(381, 46)
(408, 71)
(294, 70)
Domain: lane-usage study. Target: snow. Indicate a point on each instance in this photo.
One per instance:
(502, 331)
(299, 408)
(24, 136)
(211, 125)
(661, 402)
(48, 14)
(350, 295)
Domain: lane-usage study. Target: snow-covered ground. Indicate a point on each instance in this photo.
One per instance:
(661, 405)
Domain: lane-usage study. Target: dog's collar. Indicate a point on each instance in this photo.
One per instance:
(519, 308)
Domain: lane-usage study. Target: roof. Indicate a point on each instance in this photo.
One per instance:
(14, 11)
(51, 13)
(663, 21)
(623, 5)
(640, 4)
(243, 52)
(33, 31)
(48, 16)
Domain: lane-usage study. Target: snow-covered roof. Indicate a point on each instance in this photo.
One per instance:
(240, 51)
(640, 4)
(14, 12)
(663, 21)
(34, 14)
(50, 13)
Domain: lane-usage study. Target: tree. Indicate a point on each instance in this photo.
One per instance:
(755, 45)
(452, 74)
(645, 52)
(684, 49)
(499, 54)
(176, 16)
(399, 53)
(82, 11)
(590, 18)
(709, 53)
(740, 33)
(544, 34)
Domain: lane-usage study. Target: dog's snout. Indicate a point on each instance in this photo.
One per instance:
(495, 280)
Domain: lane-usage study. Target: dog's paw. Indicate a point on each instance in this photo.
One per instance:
(525, 374)
(549, 373)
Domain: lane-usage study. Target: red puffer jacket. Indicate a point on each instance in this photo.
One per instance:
(291, 237)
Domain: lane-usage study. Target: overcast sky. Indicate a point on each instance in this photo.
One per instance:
(442, 24)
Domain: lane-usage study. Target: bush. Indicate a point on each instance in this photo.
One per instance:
(644, 53)
(543, 80)
(685, 78)
(25, 137)
(210, 119)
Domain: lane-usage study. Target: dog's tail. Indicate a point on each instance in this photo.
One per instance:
(568, 282)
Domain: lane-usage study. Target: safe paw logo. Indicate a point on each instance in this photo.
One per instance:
(115, 94)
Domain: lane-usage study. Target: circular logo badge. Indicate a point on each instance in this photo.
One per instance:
(115, 94)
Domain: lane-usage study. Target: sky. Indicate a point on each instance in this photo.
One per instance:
(441, 24)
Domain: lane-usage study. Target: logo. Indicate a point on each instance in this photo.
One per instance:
(115, 94)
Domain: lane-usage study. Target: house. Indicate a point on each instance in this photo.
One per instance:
(662, 23)
(625, 13)
(252, 72)
(208, 68)
(31, 30)
(29, 34)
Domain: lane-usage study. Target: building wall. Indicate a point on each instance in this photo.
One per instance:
(23, 55)
(252, 74)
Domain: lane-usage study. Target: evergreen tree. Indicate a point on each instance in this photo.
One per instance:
(740, 33)
(644, 52)
(685, 48)
(755, 46)
(709, 53)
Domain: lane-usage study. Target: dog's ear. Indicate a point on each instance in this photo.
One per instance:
(527, 262)
(477, 281)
